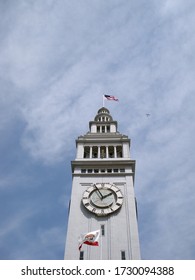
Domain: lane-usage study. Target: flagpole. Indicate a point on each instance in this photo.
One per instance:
(103, 100)
(100, 246)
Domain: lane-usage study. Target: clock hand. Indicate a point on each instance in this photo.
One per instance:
(107, 195)
(98, 191)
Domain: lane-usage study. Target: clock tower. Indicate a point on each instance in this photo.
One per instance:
(103, 194)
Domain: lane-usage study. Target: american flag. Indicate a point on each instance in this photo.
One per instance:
(111, 97)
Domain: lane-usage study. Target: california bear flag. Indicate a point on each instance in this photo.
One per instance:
(90, 238)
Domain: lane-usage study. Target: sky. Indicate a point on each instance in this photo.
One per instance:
(57, 59)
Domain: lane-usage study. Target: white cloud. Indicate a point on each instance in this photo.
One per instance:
(58, 58)
(14, 223)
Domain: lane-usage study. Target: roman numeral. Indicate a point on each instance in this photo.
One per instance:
(86, 204)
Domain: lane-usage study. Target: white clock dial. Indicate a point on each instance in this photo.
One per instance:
(102, 199)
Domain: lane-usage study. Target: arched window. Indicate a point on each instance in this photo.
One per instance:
(94, 152)
(86, 152)
(111, 151)
(119, 152)
(103, 152)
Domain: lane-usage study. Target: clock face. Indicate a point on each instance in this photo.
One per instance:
(102, 199)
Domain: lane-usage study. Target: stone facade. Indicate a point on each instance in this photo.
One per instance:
(103, 156)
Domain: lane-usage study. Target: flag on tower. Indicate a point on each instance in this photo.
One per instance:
(111, 97)
(90, 238)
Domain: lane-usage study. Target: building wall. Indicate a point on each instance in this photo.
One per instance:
(121, 231)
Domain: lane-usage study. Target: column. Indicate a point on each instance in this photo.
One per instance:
(106, 151)
(98, 151)
(90, 152)
(115, 152)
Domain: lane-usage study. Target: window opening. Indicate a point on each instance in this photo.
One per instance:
(111, 151)
(103, 152)
(86, 152)
(83, 170)
(103, 230)
(123, 257)
(122, 169)
(95, 152)
(119, 151)
(81, 256)
(89, 170)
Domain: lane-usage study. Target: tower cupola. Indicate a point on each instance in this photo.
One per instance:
(103, 122)
(103, 115)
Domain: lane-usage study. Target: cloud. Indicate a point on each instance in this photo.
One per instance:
(58, 58)
(51, 239)
(15, 222)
